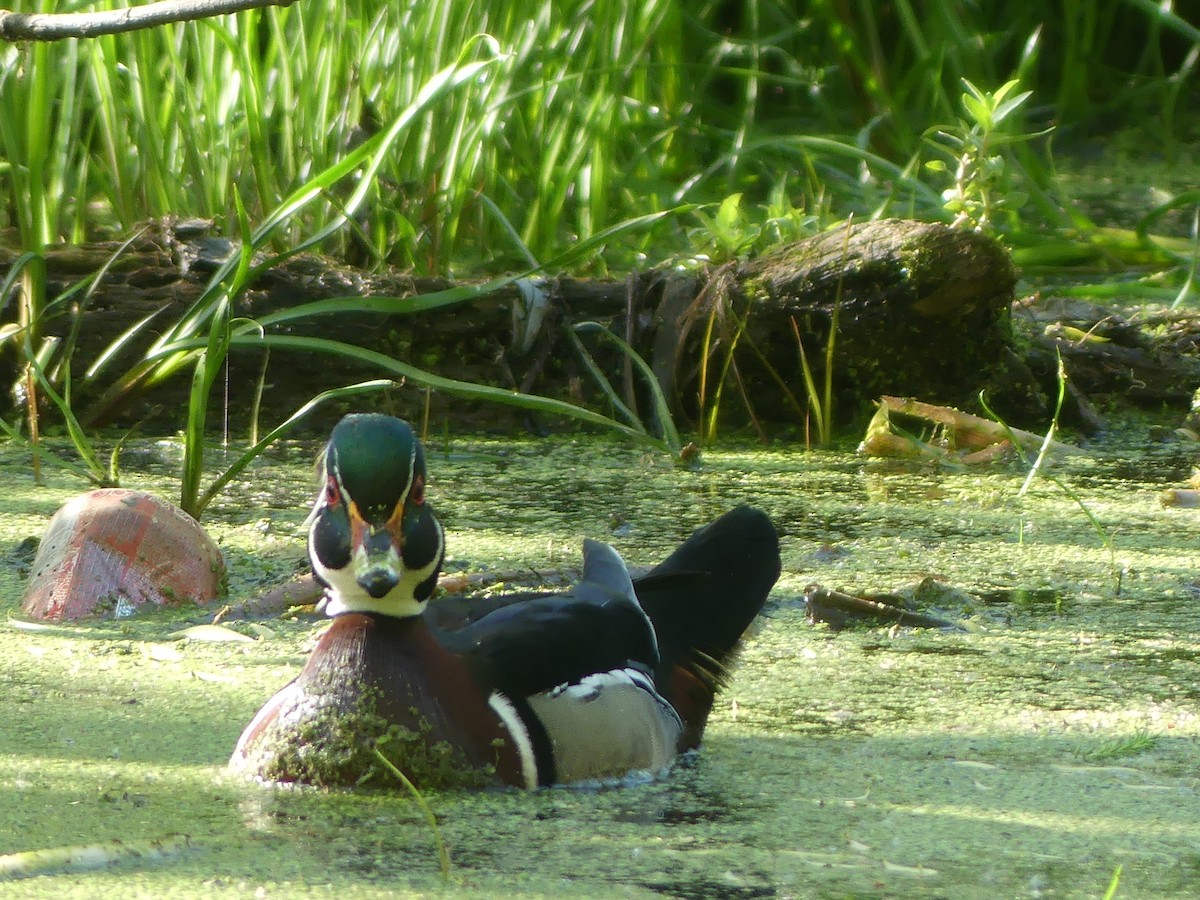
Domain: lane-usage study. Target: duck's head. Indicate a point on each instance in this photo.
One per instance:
(373, 540)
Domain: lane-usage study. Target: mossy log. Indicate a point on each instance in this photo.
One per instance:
(921, 309)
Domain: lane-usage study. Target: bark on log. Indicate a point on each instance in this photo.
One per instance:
(922, 309)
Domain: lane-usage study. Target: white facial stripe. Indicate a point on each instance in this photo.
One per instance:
(333, 469)
(412, 468)
(503, 707)
(328, 467)
(320, 504)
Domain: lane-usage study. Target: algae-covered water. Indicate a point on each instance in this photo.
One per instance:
(1028, 756)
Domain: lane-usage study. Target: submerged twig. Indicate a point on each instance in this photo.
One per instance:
(822, 601)
(305, 591)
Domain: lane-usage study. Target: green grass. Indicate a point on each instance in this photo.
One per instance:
(586, 114)
(486, 137)
(166, 122)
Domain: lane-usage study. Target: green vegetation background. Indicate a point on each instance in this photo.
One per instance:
(465, 137)
(576, 116)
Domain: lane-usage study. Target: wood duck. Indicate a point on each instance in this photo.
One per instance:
(605, 683)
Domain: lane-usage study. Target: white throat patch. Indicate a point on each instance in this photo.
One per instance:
(344, 594)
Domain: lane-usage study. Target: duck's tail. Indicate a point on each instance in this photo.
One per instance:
(701, 599)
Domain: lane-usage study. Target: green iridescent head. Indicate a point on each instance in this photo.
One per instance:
(374, 541)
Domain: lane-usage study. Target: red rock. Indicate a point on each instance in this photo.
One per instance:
(112, 551)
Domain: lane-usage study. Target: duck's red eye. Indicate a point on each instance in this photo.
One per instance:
(416, 496)
(331, 492)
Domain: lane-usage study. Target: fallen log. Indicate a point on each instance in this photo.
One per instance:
(919, 307)
(1146, 356)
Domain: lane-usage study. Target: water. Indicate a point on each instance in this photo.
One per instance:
(1028, 756)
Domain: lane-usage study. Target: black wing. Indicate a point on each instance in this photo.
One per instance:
(534, 645)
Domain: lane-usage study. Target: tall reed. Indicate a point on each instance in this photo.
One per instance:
(167, 121)
(599, 111)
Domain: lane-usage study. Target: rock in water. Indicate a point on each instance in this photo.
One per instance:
(111, 551)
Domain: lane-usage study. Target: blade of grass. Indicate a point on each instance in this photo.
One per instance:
(1036, 467)
(466, 389)
(423, 805)
(256, 450)
(662, 410)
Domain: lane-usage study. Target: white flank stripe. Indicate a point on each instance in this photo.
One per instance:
(520, 734)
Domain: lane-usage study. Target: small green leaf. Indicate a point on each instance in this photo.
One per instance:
(1002, 91)
(972, 90)
(1013, 200)
(979, 111)
(1001, 112)
(729, 216)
